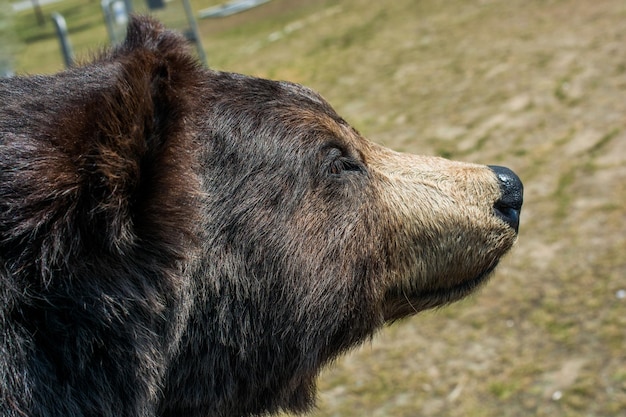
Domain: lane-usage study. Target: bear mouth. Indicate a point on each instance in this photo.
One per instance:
(400, 304)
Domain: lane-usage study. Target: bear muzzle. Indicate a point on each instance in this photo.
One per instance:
(456, 221)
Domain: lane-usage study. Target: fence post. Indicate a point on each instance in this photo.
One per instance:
(64, 40)
(193, 33)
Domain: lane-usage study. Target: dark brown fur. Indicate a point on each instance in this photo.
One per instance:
(178, 241)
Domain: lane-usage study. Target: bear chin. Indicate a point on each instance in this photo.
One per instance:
(400, 303)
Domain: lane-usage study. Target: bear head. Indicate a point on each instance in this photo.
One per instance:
(182, 241)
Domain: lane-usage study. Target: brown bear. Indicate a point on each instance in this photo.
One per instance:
(177, 241)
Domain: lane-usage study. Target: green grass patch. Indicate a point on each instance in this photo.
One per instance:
(503, 389)
(603, 142)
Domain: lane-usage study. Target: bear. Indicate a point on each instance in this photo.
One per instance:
(180, 241)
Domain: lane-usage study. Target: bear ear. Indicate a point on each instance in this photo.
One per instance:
(127, 129)
(103, 157)
(147, 35)
(138, 154)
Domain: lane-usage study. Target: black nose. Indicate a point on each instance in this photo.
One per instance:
(509, 205)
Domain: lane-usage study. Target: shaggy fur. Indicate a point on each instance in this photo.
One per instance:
(179, 241)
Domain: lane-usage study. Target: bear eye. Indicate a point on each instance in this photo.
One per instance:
(339, 164)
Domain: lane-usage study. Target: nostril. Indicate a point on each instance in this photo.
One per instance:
(509, 205)
(509, 214)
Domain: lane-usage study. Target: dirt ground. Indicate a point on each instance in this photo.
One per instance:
(539, 86)
(535, 85)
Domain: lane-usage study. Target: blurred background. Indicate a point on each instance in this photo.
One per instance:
(536, 85)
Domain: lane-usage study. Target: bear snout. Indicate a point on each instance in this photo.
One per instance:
(509, 205)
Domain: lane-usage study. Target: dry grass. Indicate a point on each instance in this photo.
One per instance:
(538, 86)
